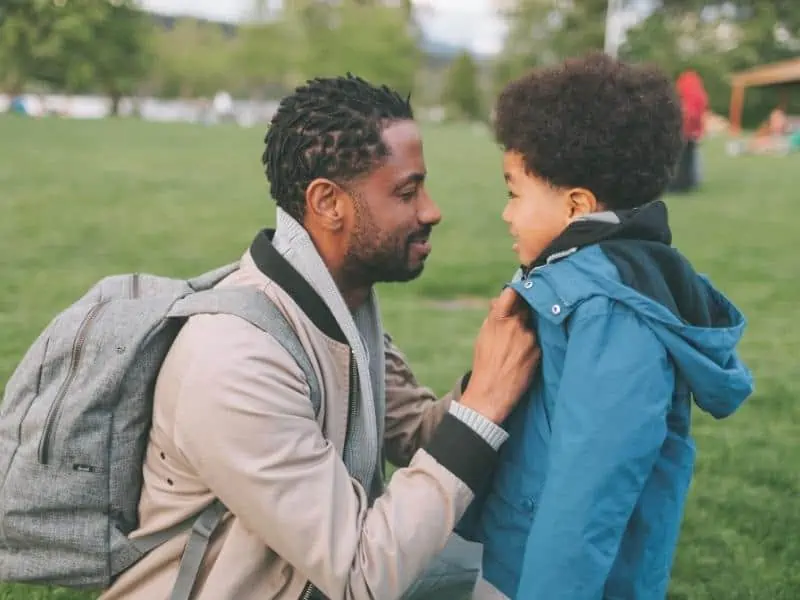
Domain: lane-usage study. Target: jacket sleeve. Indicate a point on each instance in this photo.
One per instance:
(245, 424)
(608, 426)
(412, 411)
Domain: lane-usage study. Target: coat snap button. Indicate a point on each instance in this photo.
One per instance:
(528, 285)
(556, 309)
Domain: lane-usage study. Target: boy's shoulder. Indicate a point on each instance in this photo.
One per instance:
(583, 279)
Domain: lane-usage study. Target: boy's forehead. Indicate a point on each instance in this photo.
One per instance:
(513, 164)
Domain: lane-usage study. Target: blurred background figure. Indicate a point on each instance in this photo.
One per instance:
(694, 101)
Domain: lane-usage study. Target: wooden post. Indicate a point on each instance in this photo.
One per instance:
(737, 104)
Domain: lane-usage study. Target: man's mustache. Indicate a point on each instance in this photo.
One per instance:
(421, 235)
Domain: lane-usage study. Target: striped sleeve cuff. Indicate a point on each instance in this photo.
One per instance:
(493, 434)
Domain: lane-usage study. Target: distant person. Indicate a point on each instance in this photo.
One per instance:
(310, 514)
(774, 136)
(17, 106)
(694, 105)
(223, 107)
(589, 495)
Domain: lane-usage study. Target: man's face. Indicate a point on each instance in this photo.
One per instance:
(394, 216)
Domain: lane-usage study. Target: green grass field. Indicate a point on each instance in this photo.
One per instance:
(80, 200)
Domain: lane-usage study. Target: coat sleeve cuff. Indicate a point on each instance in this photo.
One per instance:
(492, 433)
(462, 451)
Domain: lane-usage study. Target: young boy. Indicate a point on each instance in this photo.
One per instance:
(588, 498)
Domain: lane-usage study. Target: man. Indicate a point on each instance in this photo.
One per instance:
(309, 515)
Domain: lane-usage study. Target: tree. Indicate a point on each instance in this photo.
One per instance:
(715, 39)
(75, 45)
(194, 58)
(373, 41)
(267, 56)
(543, 32)
(462, 91)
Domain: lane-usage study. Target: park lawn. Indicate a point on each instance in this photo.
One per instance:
(80, 200)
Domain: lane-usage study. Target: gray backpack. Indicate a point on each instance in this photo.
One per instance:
(75, 420)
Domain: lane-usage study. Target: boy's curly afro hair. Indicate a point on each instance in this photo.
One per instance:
(597, 123)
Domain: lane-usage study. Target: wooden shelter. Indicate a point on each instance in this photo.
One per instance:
(780, 73)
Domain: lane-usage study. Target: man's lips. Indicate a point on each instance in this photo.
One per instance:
(421, 243)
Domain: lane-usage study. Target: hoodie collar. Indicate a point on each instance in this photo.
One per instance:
(648, 222)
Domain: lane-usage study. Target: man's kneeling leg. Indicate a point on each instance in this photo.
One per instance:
(451, 575)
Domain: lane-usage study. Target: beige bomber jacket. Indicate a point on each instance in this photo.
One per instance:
(232, 420)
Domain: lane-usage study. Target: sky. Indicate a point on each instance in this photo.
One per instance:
(471, 24)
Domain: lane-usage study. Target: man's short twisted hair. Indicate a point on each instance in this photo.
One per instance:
(329, 127)
(595, 122)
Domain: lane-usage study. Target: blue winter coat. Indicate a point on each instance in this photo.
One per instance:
(589, 494)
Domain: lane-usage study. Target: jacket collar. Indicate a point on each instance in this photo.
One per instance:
(648, 222)
(291, 246)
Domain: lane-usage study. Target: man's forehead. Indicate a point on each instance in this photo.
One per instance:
(406, 159)
(402, 135)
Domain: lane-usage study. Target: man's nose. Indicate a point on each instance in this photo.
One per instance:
(429, 213)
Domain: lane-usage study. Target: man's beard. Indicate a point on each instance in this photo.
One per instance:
(375, 257)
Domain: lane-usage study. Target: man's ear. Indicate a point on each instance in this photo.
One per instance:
(581, 202)
(325, 203)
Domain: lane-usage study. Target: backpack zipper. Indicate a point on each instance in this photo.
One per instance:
(135, 285)
(310, 589)
(54, 414)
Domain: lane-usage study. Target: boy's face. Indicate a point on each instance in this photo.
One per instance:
(536, 213)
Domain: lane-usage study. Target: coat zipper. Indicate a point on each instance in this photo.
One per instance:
(307, 591)
(310, 588)
(351, 398)
(54, 414)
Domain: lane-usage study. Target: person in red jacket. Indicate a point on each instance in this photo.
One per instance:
(694, 104)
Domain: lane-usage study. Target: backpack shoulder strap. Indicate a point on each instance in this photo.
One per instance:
(201, 528)
(211, 278)
(256, 308)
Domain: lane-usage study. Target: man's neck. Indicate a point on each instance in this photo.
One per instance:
(354, 295)
(352, 288)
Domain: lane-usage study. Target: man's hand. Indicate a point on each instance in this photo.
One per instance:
(506, 355)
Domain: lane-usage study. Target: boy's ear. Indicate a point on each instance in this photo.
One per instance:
(582, 202)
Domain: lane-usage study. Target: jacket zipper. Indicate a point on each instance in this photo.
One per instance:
(307, 591)
(54, 414)
(310, 589)
(351, 398)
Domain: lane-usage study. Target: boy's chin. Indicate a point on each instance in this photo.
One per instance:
(522, 257)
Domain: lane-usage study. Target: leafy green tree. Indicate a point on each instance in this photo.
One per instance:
(462, 94)
(75, 45)
(542, 32)
(194, 58)
(716, 39)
